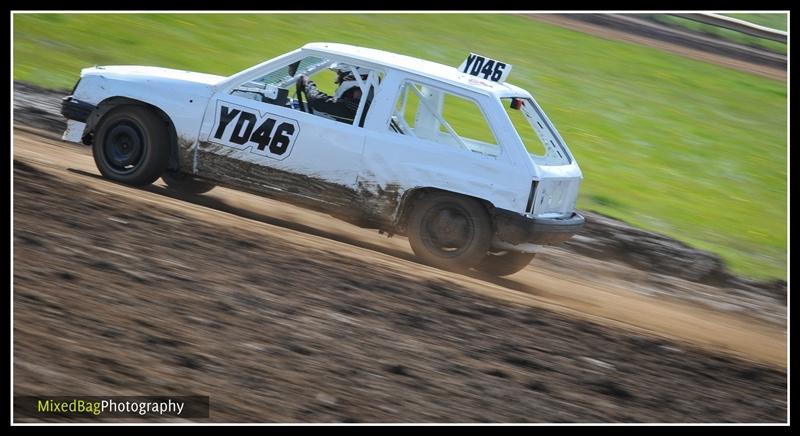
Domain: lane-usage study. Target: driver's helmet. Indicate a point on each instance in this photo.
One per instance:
(346, 80)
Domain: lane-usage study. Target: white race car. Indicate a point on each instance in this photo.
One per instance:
(430, 151)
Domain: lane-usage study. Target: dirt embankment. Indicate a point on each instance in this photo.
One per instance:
(116, 294)
(614, 241)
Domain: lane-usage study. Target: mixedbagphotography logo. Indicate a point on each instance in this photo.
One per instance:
(112, 407)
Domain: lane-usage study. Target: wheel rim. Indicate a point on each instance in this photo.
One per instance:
(124, 147)
(447, 230)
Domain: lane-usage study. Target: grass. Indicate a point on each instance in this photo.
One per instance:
(677, 146)
(777, 21)
(732, 35)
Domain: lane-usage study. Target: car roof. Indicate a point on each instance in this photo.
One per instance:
(417, 66)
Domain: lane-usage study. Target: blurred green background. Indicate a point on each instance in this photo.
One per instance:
(670, 144)
(777, 21)
(774, 21)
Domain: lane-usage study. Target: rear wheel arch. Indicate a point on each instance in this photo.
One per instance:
(412, 196)
(449, 231)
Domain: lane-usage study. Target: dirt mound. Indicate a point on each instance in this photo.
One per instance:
(113, 295)
(612, 240)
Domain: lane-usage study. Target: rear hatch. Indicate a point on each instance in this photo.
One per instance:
(556, 176)
(554, 196)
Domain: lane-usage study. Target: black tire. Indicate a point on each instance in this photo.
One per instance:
(449, 231)
(131, 145)
(504, 263)
(185, 183)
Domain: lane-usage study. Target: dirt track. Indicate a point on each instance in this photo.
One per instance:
(282, 314)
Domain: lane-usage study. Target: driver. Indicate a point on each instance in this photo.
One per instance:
(343, 105)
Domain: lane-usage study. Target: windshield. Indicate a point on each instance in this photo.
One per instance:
(539, 136)
(282, 77)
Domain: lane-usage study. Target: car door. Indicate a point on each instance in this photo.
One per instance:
(280, 151)
(409, 147)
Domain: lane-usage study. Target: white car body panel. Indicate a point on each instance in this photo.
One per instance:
(182, 95)
(323, 149)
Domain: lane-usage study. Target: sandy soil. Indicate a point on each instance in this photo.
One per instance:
(282, 314)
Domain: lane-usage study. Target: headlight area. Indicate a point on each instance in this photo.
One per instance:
(76, 110)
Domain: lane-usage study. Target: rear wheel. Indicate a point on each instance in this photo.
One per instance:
(504, 263)
(185, 184)
(449, 231)
(131, 145)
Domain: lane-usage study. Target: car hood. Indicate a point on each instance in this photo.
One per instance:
(153, 74)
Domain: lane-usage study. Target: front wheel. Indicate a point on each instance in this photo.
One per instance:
(449, 231)
(131, 145)
(504, 263)
(185, 183)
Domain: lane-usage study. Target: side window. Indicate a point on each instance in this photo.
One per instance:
(334, 90)
(436, 115)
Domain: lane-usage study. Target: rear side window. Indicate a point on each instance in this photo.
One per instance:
(433, 114)
(538, 136)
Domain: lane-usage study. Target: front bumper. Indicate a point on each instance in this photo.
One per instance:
(514, 228)
(76, 110)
